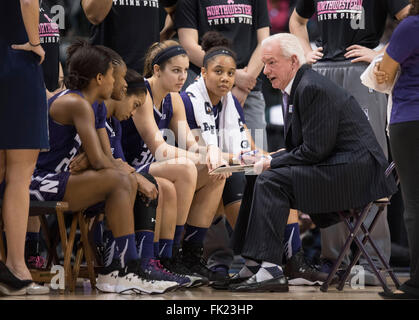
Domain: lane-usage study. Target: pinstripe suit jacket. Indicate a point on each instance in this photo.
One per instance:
(335, 159)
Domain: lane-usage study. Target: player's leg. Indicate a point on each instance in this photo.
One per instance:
(119, 191)
(201, 215)
(183, 175)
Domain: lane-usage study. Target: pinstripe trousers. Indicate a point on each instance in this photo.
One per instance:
(263, 215)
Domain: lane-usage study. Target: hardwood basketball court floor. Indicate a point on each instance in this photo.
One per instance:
(85, 292)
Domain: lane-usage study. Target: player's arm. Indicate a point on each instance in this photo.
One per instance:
(30, 17)
(360, 53)
(168, 30)
(180, 127)
(298, 27)
(77, 111)
(146, 126)
(210, 154)
(403, 13)
(106, 147)
(255, 64)
(105, 143)
(246, 78)
(386, 70)
(188, 38)
(96, 10)
(185, 138)
(170, 7)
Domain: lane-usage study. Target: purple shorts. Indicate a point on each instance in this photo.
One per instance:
(48, 186)
(143, 168)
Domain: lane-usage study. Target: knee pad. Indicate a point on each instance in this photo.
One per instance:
(145, 211)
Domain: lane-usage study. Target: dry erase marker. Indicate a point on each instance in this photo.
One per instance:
(249, 153)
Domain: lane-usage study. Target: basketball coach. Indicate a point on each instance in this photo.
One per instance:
(331, 162)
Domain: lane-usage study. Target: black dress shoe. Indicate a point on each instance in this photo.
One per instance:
(279, 284)
(224, 284)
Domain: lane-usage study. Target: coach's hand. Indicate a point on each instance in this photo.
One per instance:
(262, 165)
(28, 47)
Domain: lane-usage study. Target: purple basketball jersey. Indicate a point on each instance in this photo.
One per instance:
(64, 142)
(135, 149)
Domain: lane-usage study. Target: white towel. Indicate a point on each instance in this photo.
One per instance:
(368, 80)
(231, 136)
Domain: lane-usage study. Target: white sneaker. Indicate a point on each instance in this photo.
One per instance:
(107, 279)
(107, 282)
(133, 280)
(36, 289)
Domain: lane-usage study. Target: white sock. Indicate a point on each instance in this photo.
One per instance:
(268, 271)
(266, 264)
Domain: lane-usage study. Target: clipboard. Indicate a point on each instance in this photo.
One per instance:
(232, 168)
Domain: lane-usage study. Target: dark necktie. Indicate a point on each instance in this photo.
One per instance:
(285, 98)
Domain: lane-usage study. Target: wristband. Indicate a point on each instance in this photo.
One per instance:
(34, 45)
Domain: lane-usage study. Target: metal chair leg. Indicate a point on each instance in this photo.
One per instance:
(345, 249)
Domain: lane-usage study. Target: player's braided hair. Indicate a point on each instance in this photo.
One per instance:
(85, 62)
(214, 43)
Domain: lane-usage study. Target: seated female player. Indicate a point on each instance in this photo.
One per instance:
(72, 123)
(153, 218)
(146, 204)
(198, 195)
(209, 103)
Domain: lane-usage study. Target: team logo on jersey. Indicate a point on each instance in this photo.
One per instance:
(244, 144)
(137, 3)
(342, 10)
(206, 127)
(208, 108)
(230, 13)
(50, 186)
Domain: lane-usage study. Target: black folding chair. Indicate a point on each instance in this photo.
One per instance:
(354, 220)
